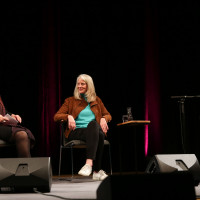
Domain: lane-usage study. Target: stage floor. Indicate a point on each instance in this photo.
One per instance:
(63, 187)
(83, 188)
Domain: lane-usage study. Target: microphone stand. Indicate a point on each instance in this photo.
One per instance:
(181, 101)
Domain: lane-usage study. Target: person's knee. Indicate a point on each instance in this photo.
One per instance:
(95, 128)
(21, 135)
(93, 124)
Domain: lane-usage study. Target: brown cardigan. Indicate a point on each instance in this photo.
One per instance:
(72, 106)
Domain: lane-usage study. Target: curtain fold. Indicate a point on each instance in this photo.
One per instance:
(49, 86)
(152, 81)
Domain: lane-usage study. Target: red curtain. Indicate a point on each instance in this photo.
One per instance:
(49, 85)
(152, 81)
(50, 79)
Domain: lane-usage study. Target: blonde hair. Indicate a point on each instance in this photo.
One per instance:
(90, 93)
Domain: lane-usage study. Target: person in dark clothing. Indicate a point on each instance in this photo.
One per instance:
(12, 132)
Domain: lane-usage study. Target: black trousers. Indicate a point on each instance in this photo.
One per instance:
(94, 138)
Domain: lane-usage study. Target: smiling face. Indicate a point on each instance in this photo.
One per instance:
(81, 86)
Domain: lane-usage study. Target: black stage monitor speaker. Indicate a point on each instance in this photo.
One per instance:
(175, 162)
(25, 174)
(173, 186)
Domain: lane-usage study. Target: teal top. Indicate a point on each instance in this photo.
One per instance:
(84, 117)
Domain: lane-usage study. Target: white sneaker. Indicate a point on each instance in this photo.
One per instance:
(101, 175)
(86, 170)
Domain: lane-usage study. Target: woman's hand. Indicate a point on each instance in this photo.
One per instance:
(17, 117)
(71, 122)
(104, 125)
(3, 119)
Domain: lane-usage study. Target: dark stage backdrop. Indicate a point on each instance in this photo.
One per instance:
(139, 54)
(179, 63)
(20, 60)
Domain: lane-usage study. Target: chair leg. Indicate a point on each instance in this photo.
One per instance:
(60, 161)
(110, 160)
(72, 161)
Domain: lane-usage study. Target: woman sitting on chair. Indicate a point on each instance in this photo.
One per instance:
(12, 132)
(87, 120)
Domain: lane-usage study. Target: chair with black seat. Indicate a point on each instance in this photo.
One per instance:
(78, 144)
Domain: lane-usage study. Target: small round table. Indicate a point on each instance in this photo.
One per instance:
(132, 123)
